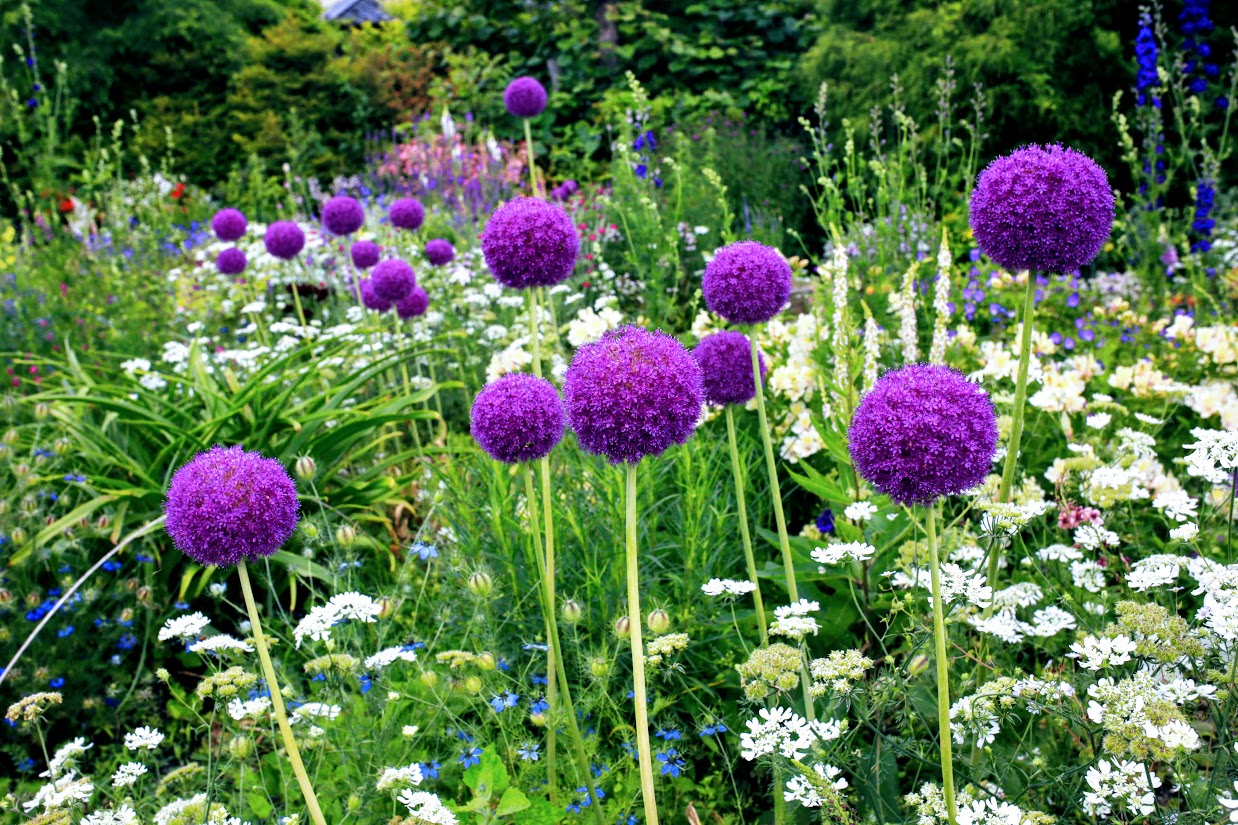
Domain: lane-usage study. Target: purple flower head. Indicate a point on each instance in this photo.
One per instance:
(365, 253)
(229, 224)
(923, 431)
(284, 239)
(413, 306)
(517, 418)
(231, 261)
(407, 213)
(365, 288)
(393, 280)
(343, 215)
(525, 97)
(747, 282)
(227, 505)
(1043, 208)
(439, 252)
(529, 242)
(726, 366)
(633, 394)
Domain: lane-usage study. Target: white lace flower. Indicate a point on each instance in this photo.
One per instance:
(800, 790)
(728, 587)
(222, 642)
(240, 709)
(860, 511)
(127, 774)
(838, 551)
(144, 737)
(426, 807)
(1096, 652)
(184, 627)
(778, 730)
(389, 656)
(405, 777)
(123, 815)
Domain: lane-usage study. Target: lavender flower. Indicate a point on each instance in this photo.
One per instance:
(517, 418)
(414, 305)
(726, 365)
(923, 431)
(284, 240)
(392, 280)
(407, 213)
(365, 288)
(229, 224)
(525, 97)
(439, 252)
(343, 215)
(529, 242)
(633, 394)
(227, 505)
(365, 254)
(231, 261)
(1044, 208)
(747, 282)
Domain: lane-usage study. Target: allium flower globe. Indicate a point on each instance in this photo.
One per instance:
(284, 240)
(1043, 208)
(414, 305)
(364, 254)
(343, 215)
(393, 280)
(365, 289)
(229, 224)
(518, 417)
(439, 252)
(529, 242)
(923, 431)
(407, 213)
(231, 261)
(726, 368)
(525, 97)
(747, 282)
(227, 505)
(633, 393)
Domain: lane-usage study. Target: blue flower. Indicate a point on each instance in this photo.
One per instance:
(127, 642)
(67, 630)
(671, 763)
(825, 521)
(75, 477)
(713, 729)
(504, 701)
(669, 734)
(430, 769)
(57, 683)
(112, 566)
(539, 706)
(367, 682)
(472, 756)
(424, 551)
(537, 679)
(641, 171)
(529, 751)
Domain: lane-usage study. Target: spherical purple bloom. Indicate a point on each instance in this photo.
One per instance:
(365, 288)
(923, 431)
(231, 261)
(227, 505)
(529, 242)
(407, 213)
(747, 282)
(365, 254)
(439, 252)
(525, 97)
(517, 418)
(229, 224)
(726, 366)
(414, 305)
(1043, 208)
(343, 215)
(393, 280)
(633, 393)
(284, 239)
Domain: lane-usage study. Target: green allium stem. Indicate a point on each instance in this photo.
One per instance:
(737, 472)
(530, 299)
(528, 143)
(943, 665)
(644, 752)
(277, 699)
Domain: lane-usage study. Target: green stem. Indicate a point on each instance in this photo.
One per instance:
(535, 336)
(1016, 421)
(943, 666)
(528, 143)
(644, 753)
(741, 504)
(277, 699)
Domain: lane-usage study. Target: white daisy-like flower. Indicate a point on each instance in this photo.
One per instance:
(127, 774)
(860, 511)
(315, 710)
(240, 709)
(835, 553)
(143, 738)
(186, 627)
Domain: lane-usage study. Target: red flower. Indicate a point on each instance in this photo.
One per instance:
(178, 190)
(65, 205)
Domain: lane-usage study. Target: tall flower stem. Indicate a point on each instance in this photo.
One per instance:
(644, 752)
(775, 492)
(277, 699)
(741, 504)
(943, 664)
(528, 145)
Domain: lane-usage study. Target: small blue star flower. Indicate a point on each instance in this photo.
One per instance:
(472, 756)
(671, 763)
(424, 551)
(504, 701)
(529, 751)
(539, 706)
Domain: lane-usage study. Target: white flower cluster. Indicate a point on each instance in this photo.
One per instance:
(728, 587)
(800, 790)
(839, 551)
(1095, 652)
(342, 607)
(793, 620)
(405, 777)
(783, 731)
(1126, 787)
(426, 807)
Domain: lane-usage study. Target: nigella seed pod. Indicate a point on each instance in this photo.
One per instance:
(10, 437)
(345, 535)
(623, 627)
(538, 719)
(41, 410)
(6, 596)
(144, 595)
(310, 529)
(473, 684)
(306, 468)
(61, 446)
(486, 661)
(241, 747)
(21, 470)
(659, 622)
(103, 522)
(599, 667)
(429, 678)
(572, 611)
(480, 584)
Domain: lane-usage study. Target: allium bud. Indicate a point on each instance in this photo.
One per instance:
(345, 535)
(571, 611)
(18, 535)
(306, 468)
(623, 627)
(659, 622)
(10, 437)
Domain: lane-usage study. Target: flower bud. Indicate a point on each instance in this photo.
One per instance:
(310, 529)
(41, 410)
(61, 446)
(480, 584)
(354, 803)
(486, 661)
(103, 522)
(306, 468)
(659, 622)
(599, 667)
(623, 627)
(241, 747)
(473, 684)
(572, 611)
(386, 607)
(18, 535)
(429, 678)
(918, 664)
(345, 535)
(538, 719)
(10, 437)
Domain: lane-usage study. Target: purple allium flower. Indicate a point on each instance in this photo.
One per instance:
(229, 224)
(923, 431)
(227, 505)
(365, 288)
(343, 215)
(407, 213)
(439, 252)
(413, 306)
(633, 393)
(747, 282)
(231, 261)
(517, 418)
(365, 254)
(726, 366)
(525, 97)
(529, 242)
(393, 280)
(1043, 208)
(284, 239)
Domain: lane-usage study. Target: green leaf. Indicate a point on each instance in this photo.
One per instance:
(539, 812)
(512, 801)
(488, 777)
(259, 805)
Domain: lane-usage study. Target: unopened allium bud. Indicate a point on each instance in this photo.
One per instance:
(572, 611)
(480, 584)
(345, 535)
(599, 667)
(306, 468)
(659, 622)
(61, 446)
(21, 470)
(623, 627)
(29, 504)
